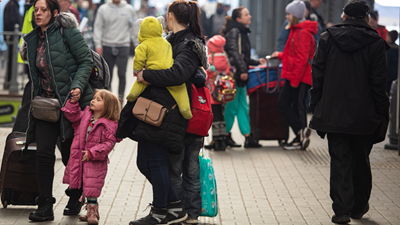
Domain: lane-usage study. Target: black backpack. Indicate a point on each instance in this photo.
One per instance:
(100, 77)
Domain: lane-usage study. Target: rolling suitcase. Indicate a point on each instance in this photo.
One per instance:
(266, 121)
(18, 184)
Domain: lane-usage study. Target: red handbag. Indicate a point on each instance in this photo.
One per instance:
(201, 111)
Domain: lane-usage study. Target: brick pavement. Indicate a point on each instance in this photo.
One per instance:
(255, 186)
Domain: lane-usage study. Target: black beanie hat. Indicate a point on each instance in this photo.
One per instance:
(356, 8)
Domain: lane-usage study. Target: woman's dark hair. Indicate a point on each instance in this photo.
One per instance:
(187, 12)
(51, 5)
(236, 13)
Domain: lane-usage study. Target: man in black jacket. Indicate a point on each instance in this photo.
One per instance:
(393, 59)
(350, 105)
(11, 17)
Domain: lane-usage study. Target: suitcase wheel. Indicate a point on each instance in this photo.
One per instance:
(4, 198)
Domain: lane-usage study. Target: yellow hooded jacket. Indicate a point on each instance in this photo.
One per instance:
(155, 53)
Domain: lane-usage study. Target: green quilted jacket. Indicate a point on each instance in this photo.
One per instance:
(69, 67)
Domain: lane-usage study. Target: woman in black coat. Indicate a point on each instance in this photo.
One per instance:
(238, 48)
(155, 143)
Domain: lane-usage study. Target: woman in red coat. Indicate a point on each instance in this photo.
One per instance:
(296, 69)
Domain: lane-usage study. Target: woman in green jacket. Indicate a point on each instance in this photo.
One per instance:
(60, 72)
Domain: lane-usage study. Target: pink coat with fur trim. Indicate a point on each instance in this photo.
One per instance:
(100, 142)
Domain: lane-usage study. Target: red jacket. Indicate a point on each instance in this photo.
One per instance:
(216, 45)
(298, 53)
(99, 143)
(382, 31)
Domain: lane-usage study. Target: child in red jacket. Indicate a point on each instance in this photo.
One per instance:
(296, 70)
(94, 138)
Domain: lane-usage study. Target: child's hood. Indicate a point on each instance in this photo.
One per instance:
(216, 44)
(150, 27)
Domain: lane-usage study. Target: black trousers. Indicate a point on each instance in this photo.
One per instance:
(351, 178)
(21, 121)
(46, 139)
(117, 56)
(218, 124)
(292, 105)
(9, 63)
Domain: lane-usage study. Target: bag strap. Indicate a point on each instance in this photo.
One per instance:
(215, 74)
(240, 43)
(229, 65)
(266, 88)
(65, 41)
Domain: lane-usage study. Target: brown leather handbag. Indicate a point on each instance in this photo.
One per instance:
(150, 111)
(47, 109)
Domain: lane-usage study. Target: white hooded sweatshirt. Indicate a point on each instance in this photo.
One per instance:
(115, 25)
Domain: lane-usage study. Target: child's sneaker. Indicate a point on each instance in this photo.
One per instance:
(155, 217)
(176, 213)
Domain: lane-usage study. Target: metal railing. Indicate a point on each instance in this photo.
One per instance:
(11, 38)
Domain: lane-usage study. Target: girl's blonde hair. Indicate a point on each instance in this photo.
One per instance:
(295, 21)
(112, 106)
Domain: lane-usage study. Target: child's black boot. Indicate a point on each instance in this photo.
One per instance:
(75, 203)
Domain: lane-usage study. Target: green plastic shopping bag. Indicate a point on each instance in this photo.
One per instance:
(208, 186)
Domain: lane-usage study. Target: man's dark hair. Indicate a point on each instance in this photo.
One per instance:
(393, 35)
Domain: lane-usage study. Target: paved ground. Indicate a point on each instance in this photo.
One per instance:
(255, 186)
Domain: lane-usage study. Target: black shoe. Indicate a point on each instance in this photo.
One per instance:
(295, 144)
(305, 138)
(250, 142)
(230, 143)
(45, 209)
(74, 204)
(219, 145)
(340, 219)
(176, 212)
(359, 215)
(156, 216)
(210, 146)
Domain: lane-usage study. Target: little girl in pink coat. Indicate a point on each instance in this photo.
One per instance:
(94, 138)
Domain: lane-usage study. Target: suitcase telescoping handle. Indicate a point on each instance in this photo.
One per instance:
(278, 75)
(25, 157)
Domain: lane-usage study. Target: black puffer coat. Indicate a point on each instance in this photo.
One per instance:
(349, 79)
(189, 53)
(240, 61)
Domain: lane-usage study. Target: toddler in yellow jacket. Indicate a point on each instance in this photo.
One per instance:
(155, 53)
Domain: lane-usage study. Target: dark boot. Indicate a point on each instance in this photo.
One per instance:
(219, 145)
(156, 216)
(45, 209)
(229, 141)
(250, 142)
(176, 212)
(75, 203)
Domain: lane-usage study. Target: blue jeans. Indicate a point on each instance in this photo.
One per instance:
(152, 163)
(184, 172)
